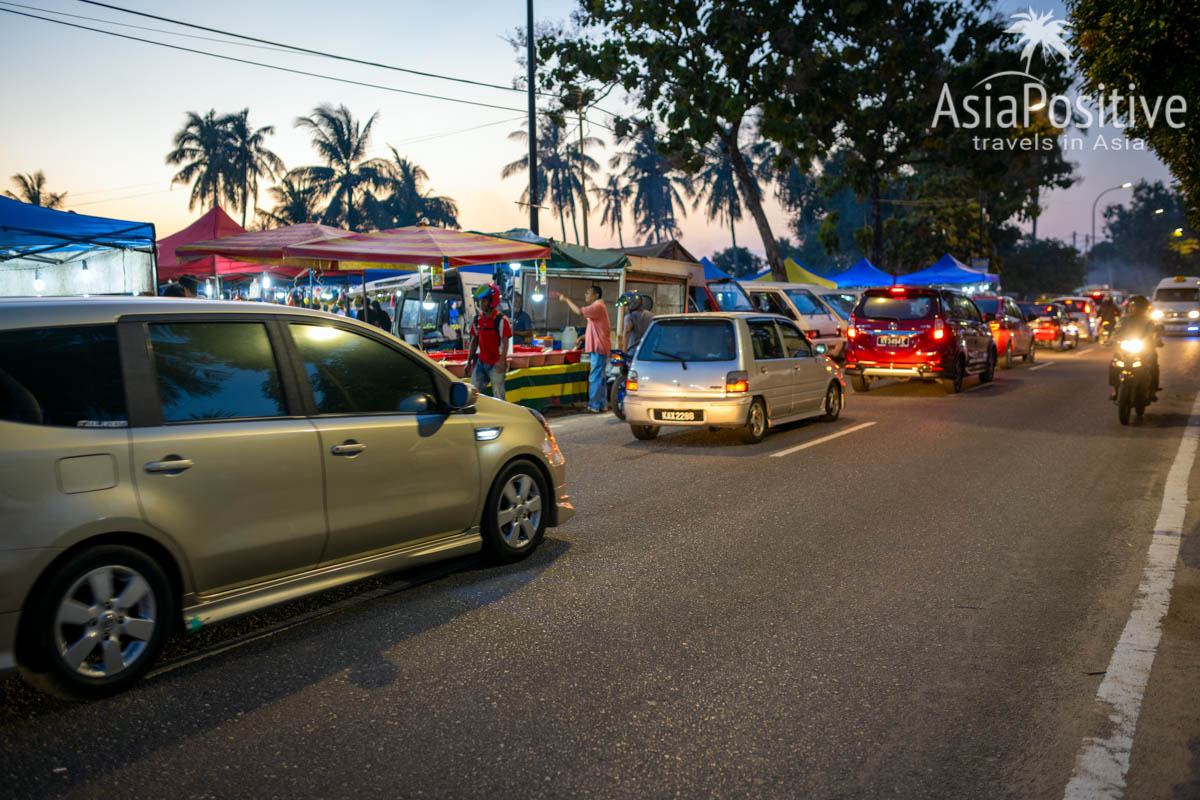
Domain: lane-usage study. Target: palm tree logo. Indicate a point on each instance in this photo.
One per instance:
(1039, 30)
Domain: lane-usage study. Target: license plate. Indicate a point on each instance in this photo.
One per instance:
(679, 416)
(892, 341)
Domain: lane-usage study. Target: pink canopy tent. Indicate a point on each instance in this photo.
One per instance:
(418, 245)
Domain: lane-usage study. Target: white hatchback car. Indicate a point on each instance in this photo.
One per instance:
(729, 370)
(800, 302)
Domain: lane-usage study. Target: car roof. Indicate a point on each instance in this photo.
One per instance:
(28, 312)
(731, 315)
(782, 285)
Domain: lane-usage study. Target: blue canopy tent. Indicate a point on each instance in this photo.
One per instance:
(712, 272)
(862, 274)
(948, 270)
(43, 251)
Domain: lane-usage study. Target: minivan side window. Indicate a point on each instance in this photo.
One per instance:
(65, 377)
(797, 346)
(805, 303)
(765, 339)
(215, 371)
(355, 374)
(770, 303)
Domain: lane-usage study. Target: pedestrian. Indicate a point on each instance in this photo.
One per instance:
(378, 317)
(597, 343)
(491, 336)
(522, 323)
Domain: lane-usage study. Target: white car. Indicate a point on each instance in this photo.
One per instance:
(800, 302)
(1177, 304)
(1083, 312)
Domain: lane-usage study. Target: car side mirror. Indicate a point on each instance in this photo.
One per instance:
(821, 349)
(419, 403)
(461, 396)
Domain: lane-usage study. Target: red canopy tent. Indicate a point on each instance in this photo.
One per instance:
(264, 247)
(214, 224)
(419, 245)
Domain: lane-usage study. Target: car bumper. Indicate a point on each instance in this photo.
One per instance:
(722, 412)
(1181, 326)
(894, 370)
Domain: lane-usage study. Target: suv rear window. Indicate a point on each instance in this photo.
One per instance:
(689, 340)
(896, 307)
(1177, 295)
(65, 377)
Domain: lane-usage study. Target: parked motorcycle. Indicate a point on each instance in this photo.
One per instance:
(1134, 390)
(618, 370)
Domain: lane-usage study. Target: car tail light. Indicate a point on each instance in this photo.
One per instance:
(939, 329)
(897, 290)
(838, 331)
(813, 334)
(1087, 308)
(994, 326)
(737, 381)
(851, 329)
(631, 382)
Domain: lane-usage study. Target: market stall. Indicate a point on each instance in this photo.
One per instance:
(48, 252)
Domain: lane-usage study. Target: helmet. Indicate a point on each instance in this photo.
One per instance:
(1138, 305)
(488, 294)
(633, 299)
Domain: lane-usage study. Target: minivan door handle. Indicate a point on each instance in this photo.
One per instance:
(347, 448)
(170, 465)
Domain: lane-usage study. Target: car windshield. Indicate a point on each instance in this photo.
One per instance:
(987, 306)
(804, 302)
(730, 296)
(1177, 295)
(896, 307)
(689, 340)
(843, 304)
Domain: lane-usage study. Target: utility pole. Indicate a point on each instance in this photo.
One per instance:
(531, 58)
(582, 175)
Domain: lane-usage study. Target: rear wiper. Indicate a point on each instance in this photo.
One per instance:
(675, 356)
(893, 319)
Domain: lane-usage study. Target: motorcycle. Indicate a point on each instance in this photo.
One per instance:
(1134, 391)
(1105, 333)
(618, 371)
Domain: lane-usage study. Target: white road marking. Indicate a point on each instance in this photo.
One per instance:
(1042, 365)
(1102, 763)
(815, 442)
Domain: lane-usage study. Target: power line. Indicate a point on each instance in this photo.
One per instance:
(144, 28)
(305, 49)
(261, 64)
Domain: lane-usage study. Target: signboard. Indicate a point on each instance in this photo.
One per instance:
(438, 277)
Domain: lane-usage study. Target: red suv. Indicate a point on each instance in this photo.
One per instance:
(918, 332)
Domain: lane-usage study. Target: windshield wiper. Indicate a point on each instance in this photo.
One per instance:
(675, 356)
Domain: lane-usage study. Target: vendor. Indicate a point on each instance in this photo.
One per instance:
(522, 323)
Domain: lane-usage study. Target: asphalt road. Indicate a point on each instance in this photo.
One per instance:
(923, 607)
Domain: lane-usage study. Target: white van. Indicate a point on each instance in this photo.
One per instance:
(1176, 304)
(801, 302)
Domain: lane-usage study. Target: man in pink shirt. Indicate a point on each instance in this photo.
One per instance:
(596, 343)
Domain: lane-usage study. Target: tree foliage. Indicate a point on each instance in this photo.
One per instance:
(1144, 246)
(1045, 266)
(1155, 46)
(31, 188)
(739, 262)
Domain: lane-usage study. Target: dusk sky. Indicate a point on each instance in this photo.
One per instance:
(97, 114)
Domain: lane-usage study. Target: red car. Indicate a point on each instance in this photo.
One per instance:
(918, 332)
(1012, 333)
(1052, 326)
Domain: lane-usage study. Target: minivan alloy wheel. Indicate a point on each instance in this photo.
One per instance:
(104, 621)
(519, 511)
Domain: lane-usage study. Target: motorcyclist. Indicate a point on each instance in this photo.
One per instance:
(638, 317)
(1108, 312)
(1136, 324)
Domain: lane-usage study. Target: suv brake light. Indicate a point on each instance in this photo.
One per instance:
(852, 328)
(939, 328)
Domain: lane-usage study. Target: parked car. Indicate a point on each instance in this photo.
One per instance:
(170, 464)
(729, 370)
(1052, 326)
(1012, 333)
(1083, 312)
(918, 332)
(799, 303)
(842, 301)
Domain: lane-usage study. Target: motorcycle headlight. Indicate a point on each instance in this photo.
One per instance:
(1156, 314)
(1132, 345)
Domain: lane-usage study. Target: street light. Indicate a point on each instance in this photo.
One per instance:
(1177, 232)
(1125, 185)
(1158, 210)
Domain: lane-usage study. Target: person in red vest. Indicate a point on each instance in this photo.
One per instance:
(491, 335)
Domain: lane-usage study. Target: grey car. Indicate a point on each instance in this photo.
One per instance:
(169, 464)
(729, 370)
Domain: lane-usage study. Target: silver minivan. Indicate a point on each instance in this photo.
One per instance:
(169, 464)
(729, 370)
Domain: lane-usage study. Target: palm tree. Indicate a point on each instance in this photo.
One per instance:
(716, 186)
(202, 146)
(558, 170)
(612, 197)
(656, 200)
(250, 159)
(296, 202)
(1039, 30)
(32, 188)
(347, 176)
(407, 203)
